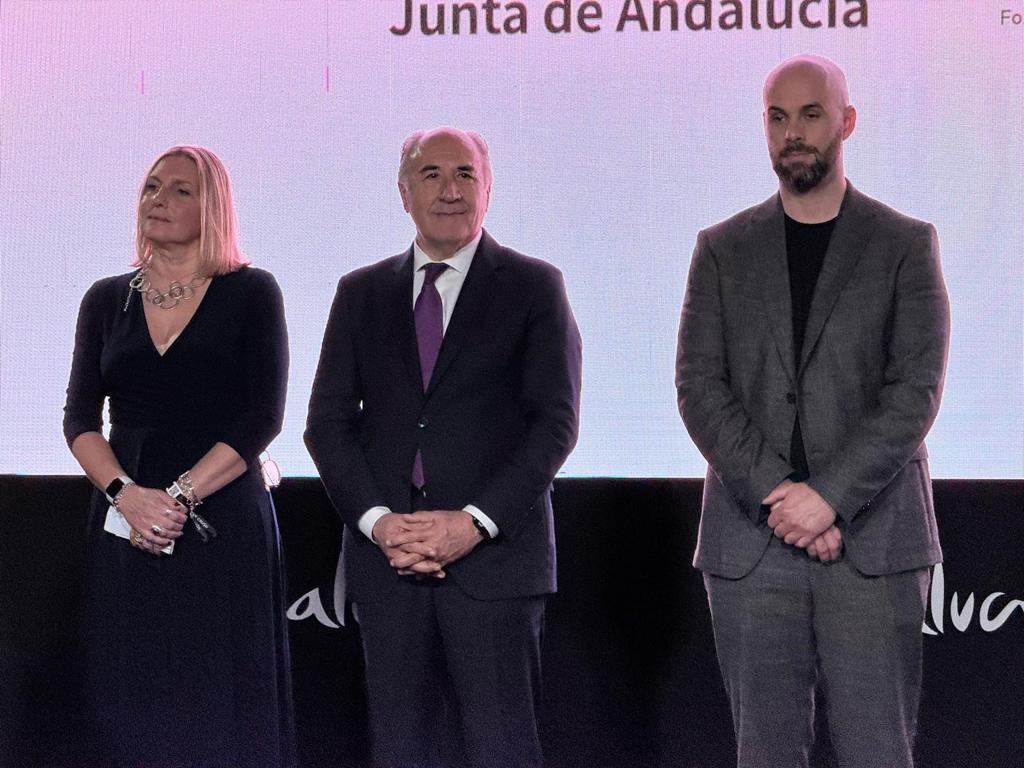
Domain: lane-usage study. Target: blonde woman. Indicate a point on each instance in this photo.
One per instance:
(185, 643)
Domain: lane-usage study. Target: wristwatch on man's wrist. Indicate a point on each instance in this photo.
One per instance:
(481, 528)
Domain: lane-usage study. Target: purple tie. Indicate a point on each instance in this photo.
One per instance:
(429, 320)
(429, 332)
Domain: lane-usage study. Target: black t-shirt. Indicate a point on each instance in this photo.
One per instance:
(806, 245)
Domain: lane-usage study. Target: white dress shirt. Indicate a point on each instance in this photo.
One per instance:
(449, 285)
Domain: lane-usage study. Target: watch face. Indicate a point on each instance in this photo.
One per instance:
(481, 528)
(115, 487)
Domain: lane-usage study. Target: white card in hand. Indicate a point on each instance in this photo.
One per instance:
(117, 525)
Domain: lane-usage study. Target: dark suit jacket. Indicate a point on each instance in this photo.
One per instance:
(498, 419)
(867, 387)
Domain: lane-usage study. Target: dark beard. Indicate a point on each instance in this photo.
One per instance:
(803, 177)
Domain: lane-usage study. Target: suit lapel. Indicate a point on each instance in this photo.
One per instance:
(402, 323)
(474, 299)
(767, 238)
(848, 241)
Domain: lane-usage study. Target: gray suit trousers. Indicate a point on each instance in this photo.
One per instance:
(793, 619)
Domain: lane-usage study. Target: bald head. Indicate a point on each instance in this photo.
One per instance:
(807, 117)
(813, 68)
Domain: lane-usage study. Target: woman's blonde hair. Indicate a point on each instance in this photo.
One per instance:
(219, 253)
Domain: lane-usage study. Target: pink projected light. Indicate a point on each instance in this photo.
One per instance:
(609, 146)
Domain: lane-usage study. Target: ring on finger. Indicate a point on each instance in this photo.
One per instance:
(157, 530)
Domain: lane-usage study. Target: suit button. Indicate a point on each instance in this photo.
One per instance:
(423, 422)
(790, 398)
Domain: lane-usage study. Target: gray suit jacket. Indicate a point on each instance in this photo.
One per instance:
(867, 387)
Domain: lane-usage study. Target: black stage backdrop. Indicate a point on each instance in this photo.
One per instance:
(629, 664)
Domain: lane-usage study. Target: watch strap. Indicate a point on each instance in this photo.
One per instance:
(176, 492)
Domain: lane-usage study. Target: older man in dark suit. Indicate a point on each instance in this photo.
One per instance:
(812, 351)
(446, 399)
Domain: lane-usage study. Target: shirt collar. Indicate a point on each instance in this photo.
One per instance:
(459, 261)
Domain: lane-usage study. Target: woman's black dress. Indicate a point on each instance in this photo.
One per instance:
(186, 656)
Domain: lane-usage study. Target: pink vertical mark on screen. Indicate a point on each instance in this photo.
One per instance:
(327, 77)
(142, 81)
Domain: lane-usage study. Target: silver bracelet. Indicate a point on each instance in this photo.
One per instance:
(184, 482)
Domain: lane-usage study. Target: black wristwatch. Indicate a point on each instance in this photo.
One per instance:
(117, 485)
(484, 533)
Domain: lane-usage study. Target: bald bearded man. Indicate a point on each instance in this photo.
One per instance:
(812, 351)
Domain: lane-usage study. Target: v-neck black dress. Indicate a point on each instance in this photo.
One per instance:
(186, 655)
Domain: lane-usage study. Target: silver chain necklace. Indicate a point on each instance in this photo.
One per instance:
(176, 292)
